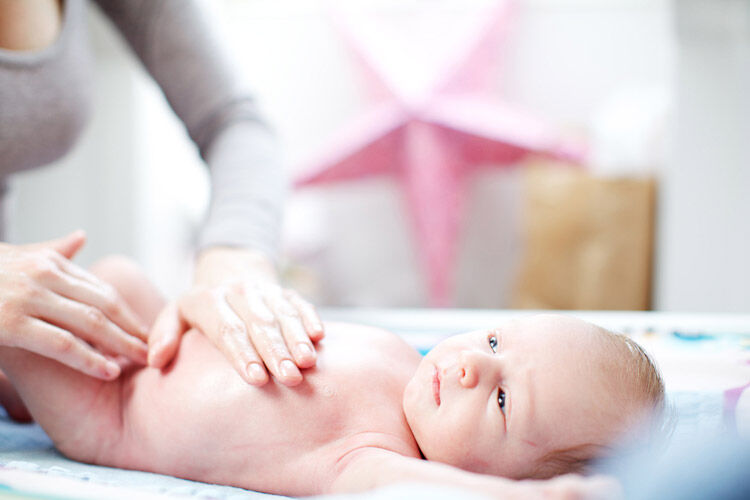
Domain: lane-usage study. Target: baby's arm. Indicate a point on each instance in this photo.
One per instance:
(369, 468)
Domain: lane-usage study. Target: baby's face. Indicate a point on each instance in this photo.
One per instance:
(496, 401)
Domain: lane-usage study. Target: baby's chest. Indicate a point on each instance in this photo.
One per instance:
(357, 392)
(333, 404)
(304, 431)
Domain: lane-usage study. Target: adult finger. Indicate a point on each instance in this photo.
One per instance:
(266, 336)
(310, 318)
(78, 284)
(211, 314)
(61, 345)
(293, 330)
(67, 245)
(165, 335)
(88, 323)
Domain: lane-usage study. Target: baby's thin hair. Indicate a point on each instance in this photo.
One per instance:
(576, 459)
(645, 389)
(648, 382)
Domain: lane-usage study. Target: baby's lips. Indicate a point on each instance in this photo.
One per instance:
(436, 385)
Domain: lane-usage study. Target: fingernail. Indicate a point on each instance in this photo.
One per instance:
(287, 369)
(154, 351)
(256, 373)
(111, 370)
(150, 358)
(305, 353)
(157, 358)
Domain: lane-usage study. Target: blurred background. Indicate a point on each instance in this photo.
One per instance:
(653, 216)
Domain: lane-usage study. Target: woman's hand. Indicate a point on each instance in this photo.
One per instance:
(237, 303)
(52, 307)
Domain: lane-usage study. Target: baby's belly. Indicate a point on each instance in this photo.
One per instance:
(200, 420)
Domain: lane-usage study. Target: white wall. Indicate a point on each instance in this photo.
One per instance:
(704, 240)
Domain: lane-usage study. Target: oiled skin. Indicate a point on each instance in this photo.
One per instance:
(198, 420)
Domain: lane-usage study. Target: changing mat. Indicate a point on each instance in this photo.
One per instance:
(705, 360)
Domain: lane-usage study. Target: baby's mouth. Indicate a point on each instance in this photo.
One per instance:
(436, 386)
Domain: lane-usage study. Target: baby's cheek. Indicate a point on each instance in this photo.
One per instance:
(449, 441)
(409, 400)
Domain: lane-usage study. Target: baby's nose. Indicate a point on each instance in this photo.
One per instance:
(470, 367)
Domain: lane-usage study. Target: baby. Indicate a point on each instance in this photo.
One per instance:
(533, 398)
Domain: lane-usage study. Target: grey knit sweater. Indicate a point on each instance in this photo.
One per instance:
(44, 96)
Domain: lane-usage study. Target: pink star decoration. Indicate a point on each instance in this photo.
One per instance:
(433, 141)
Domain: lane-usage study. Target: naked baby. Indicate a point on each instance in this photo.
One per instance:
(532, 398)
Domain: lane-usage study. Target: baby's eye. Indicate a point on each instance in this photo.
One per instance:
(492, 339)
(501, 400)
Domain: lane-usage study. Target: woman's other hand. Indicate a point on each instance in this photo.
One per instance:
(237, 303)
(51, 306)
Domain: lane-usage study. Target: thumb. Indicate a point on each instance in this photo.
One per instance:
(67, 246)
(165, 335)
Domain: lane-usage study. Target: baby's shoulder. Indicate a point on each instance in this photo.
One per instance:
(357, 354)
(368, 341)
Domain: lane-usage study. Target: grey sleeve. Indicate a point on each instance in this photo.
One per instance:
(248, 185)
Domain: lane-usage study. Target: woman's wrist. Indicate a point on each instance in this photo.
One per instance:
(216, 265)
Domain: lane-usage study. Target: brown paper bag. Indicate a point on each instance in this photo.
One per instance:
(588, 241)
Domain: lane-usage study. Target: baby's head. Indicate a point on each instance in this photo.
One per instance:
(537, 397)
